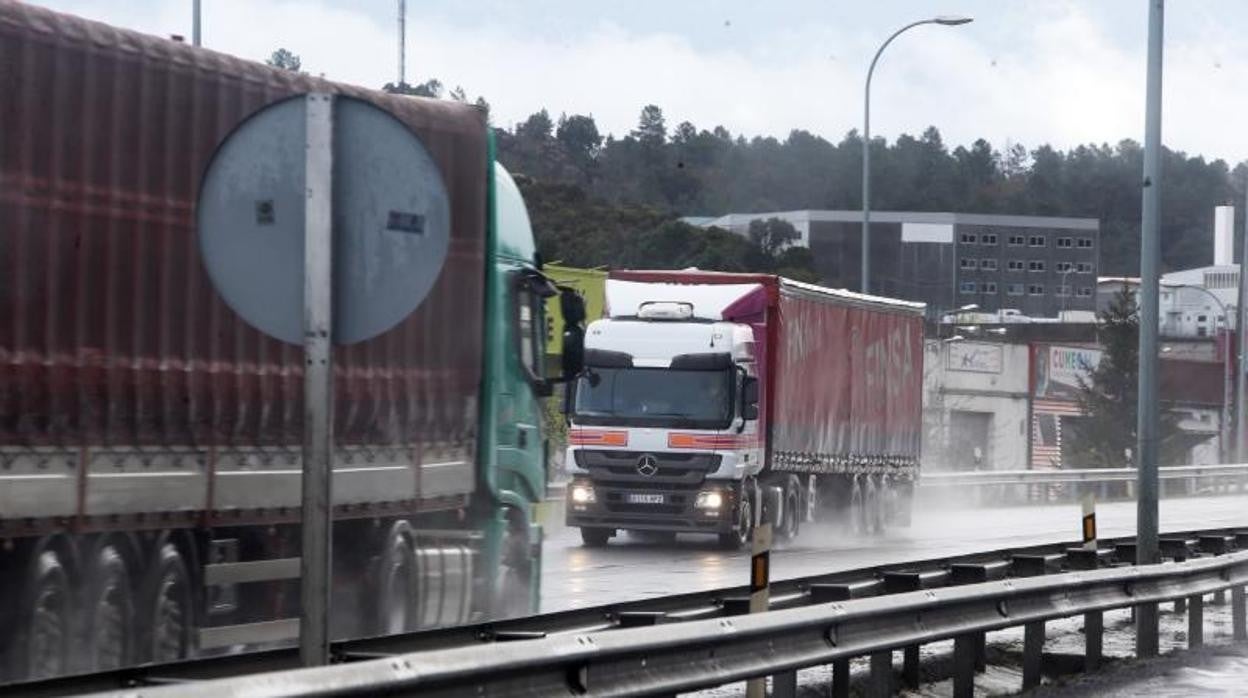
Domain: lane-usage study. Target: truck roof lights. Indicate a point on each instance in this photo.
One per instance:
(665, 310)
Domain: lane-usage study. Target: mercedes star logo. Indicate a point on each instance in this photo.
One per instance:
(647, 465)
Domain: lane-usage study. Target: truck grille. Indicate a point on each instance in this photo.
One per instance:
(670, 470)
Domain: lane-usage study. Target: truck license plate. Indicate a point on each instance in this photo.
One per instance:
(644, 498)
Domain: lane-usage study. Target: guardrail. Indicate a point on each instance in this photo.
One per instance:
(706, 653)
(719, 604)
(1012, 486)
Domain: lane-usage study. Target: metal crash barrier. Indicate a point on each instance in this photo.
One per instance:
(700, 654)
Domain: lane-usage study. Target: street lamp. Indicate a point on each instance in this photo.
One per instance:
(866, 139)
(1227, 379)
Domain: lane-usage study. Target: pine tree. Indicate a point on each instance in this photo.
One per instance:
(1107, 432)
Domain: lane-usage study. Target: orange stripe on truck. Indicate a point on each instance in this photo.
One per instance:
(678, 439)
(598, 437)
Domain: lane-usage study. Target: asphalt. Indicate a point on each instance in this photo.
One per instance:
(630, 568)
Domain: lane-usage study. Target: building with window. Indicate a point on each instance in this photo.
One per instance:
(1037, 265)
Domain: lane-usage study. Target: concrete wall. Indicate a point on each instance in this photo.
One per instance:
(975, 396)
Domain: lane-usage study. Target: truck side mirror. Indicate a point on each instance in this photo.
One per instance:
(749, 397)
(572, 361)
(572, 305)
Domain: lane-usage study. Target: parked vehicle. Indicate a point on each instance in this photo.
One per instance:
(150, 440)
(711, 401)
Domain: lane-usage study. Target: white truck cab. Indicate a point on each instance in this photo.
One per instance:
(664, 420)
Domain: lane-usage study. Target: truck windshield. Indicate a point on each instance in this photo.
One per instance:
(655, 397)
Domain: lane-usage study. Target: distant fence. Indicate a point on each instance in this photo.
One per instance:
(989, 487)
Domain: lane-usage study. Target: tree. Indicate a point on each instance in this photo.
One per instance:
(1107, 432)
(538, 127)
(285, 60)
(651, 128)
(579, 136)
(430, 88)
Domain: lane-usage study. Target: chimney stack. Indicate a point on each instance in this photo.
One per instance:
(1224, 235)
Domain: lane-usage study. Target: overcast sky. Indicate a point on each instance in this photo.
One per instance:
(1030, 72)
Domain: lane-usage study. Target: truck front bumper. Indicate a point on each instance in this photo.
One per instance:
(593, 504)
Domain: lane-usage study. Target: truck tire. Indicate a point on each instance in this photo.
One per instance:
(167, 607)
(877, 504)
(396, 603)
(595, 537)
(108, 606)
(42, 645)
(790, 513)
(738, 539)
(859, 521)
(514, 597)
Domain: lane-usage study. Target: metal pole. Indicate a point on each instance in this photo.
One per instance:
(318, 395)
(195, 22)
(866, 142)
(402, 41)
(1241, 324)
(866, 179)
(1150, 253)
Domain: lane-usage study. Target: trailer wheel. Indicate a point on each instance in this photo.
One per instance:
(109, 607)
(791, 515)
(858, 508)
(877, 504)
(167, 604)
(396, 582)
(515, 587)
(42, 647)
(735, 540)
(595, 537)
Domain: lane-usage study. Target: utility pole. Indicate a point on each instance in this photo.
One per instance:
(1150, 253)
(1241, 325)
(402, 41)
(195, 22)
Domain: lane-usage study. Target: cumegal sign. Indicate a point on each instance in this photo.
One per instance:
(1058, 370)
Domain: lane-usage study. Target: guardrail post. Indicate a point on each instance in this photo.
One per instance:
(840, 678)
(1239, 631)
(784, 685)
(1033, 652)
(896, 582)
(1195, 622)
(881, 683)
(965, 657)
(1093, 635)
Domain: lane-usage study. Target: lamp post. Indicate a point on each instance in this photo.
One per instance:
(866, 140)
(1224, 434)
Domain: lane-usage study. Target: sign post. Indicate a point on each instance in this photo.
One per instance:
(760, 590)
(1089, 521)
(318, 386)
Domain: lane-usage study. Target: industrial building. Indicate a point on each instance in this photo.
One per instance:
(1037, 265)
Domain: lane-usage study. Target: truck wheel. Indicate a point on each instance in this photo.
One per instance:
(109, 608)
(877, 504)
(735, 540)
(904, 510)
(595, 537)
(42, 647)
(167, 605)
(396, 583)
(791, 515)
(515, 588)
(858, 507)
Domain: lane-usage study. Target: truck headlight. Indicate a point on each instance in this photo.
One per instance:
(582, 494)
(709, 499)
